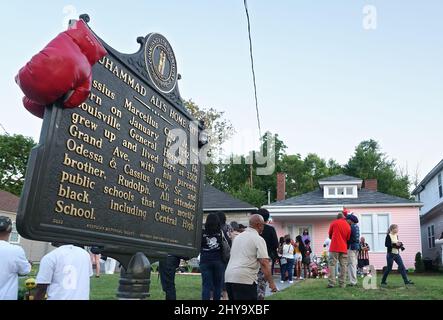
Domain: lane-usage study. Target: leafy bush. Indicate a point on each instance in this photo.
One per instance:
(419, 265)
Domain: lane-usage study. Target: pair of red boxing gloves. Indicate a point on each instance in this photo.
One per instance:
(62, 71)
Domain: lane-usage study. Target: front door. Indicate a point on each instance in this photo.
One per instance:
(297, 229)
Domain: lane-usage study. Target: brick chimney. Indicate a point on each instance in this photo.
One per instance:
(281, 186)
(370, 184)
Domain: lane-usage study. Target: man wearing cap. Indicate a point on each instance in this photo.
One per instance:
(13, 262)
(353, 248)
(339, 233)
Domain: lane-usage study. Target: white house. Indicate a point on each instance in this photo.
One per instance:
(430, 193)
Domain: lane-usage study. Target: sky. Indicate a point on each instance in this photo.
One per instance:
(329, 73)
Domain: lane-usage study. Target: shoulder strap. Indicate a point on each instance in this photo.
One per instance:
(224, 238)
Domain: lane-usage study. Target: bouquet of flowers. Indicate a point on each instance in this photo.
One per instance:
(323, 265)
(314, 269)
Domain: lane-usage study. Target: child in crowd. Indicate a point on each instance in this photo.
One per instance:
(297, 261)
(363, 257)
(307, 259)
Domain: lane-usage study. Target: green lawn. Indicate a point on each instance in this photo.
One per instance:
(188, 287)
(426, 287)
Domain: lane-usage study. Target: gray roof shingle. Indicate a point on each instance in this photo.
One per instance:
(8, 201)
(216, 199)
(365, 196)
(339, 177)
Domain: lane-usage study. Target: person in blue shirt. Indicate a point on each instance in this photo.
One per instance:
(353, 248)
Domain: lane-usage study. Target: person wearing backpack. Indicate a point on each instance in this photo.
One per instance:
(212, 266)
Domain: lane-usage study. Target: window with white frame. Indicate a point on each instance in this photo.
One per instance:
(14, 237)
(431, 237)
(440, 188)
(340, 192)
(374, 228)
(349, 191)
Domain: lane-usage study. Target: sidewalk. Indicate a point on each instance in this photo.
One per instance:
(280, 286)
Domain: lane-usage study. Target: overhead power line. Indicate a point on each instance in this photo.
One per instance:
(6, 132)
(252, 67)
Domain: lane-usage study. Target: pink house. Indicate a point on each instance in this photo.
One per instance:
(376, 211)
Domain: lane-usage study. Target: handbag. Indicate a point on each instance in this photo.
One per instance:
(226, 249)
(284, 260)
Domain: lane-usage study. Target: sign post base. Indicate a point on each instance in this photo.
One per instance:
(135, 279)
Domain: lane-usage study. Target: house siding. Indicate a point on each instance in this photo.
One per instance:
(432, 253)
(408, 221)
(430, 196)
(318, 236)
(407, 218)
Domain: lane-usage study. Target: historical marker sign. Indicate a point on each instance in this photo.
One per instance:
(103, 173)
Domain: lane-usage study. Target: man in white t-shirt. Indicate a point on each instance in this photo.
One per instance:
(248, 254)
(64, 274)
(13, 262)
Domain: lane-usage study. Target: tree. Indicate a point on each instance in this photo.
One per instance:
(14, 154)
(303, 174)
(368, 162)
(273, 149)
(293, 166)
(220, 130)
(233, 177)
(253, 196)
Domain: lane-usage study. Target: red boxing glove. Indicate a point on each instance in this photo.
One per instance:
(63, 69)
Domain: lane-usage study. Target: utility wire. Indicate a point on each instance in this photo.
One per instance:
(7, 133)
(252, 67)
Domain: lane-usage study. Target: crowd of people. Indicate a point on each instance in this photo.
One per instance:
(246, 271)
(236, 262)
(294, 257)
(63, 274)
(347, 256)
